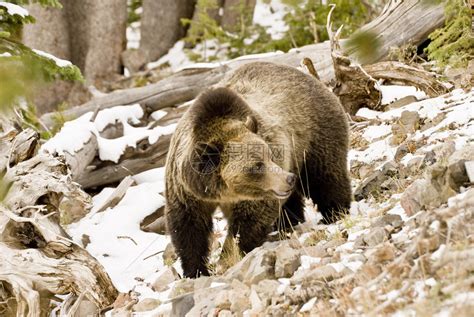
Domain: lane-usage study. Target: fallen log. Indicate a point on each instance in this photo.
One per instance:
(397, 73)
(38, 258)
(401, 22)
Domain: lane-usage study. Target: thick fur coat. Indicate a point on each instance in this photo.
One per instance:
(256, 146)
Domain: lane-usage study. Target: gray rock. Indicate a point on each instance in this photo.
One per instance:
(409, 120)
(458, 175)
(316, 251)
(146, 304)
(287, 261)
(385, 220)
(256, 266)
(239, 297)
(373, 183)
(402, 102)
(325, 273)
(225, 313)
(376, 236)
(162, 281)
(440, 152)
(169, 255)
(418, 195)
(182, 305)
(182, 286)
(469, 165)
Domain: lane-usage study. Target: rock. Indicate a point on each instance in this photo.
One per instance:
(407, 123)
(182, 305)
(381, 253)
(410, 121)
(457, 167)
(440, 152)
(239, 297)
(401, 102)
(316, 251)
(256, 302)
(375, 236)
(469, 165)
(169, 255)
(266, 289)
(164, 278)
(225, 313)
(146, 304)
(418, 195)
(287, 261)
(325, 273)
(373, 183)
(388, 220)
(204, 301)
(182, 287)
(222, 300)
(256, 266)
(134, 59)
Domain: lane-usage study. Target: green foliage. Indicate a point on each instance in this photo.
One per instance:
(44, 3)
(453, 44)
(363, 45)
(306, 20)
(133, 14)
(203, 27)
(21, 69)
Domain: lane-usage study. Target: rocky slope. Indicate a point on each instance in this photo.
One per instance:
(407, 247)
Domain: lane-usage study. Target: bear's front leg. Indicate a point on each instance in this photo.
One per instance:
(252, 221)
(190, 226)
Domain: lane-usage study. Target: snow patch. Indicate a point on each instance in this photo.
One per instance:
(13, 9)
(59, 62)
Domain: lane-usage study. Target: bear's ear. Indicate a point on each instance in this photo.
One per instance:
(251, 123)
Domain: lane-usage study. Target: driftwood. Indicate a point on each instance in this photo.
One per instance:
(354, 87)
(398, 73)
(401, 22)
(38, 258)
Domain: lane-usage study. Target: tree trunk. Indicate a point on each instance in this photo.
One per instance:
(97, 29)
(161, 25)
(235, 11)
(89, 33)
(49, 34)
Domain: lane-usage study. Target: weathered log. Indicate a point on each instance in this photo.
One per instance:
(401, 22)
(402, 74)
(38, 258)
(170, 91)
(354, 87)
(146, 156)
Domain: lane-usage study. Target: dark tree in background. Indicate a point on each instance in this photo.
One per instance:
(161, 25)
(89, 33)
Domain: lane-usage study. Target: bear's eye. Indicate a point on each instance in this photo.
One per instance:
(259, 166)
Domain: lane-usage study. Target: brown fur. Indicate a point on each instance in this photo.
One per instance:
(260, 104)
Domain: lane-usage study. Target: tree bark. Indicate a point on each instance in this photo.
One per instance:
(234, 13)
(49, 34)
(161, 25)
(97, 29)
(401, 22)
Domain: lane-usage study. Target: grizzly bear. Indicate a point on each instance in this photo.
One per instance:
(266, 138)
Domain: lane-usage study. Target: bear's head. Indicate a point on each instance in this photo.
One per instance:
(229, 160)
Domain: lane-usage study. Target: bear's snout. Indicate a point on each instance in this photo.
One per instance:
(291, 180)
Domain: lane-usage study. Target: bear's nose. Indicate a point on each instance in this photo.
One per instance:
(291, 179)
